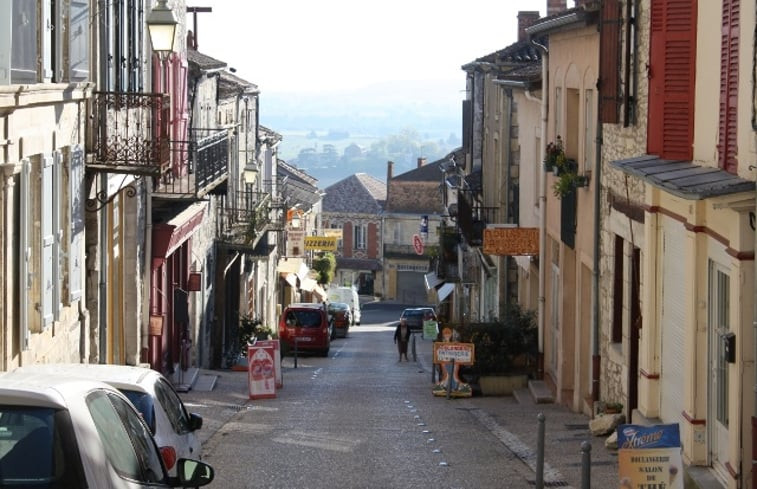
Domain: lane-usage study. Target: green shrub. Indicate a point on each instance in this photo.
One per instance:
(508, 345)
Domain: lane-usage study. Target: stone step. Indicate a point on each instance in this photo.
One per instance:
(523, 396)
(540, 392)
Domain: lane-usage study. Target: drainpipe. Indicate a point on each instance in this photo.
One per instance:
(508, 199)
(542, 205)
(596, 358)
(754, 350)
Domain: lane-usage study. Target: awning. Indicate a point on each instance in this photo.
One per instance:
(168, 236)
(308, 284)
(444, 291)
(289, 265)
(291, 279)
(318, 290)
(432, 280)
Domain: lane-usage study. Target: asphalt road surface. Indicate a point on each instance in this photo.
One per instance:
(356, 419)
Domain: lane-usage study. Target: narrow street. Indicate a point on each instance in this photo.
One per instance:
(361, 419)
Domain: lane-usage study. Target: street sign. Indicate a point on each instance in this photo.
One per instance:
(417, 244)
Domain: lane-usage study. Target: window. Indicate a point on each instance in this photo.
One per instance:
(48, 435)
(616, 334)
(172, 406)
(49, 41)
(359, 236)
(589, 130)
(125, 438)
(609, 60)
(719, 325)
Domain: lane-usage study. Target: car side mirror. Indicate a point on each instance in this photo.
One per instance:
(193, 473)
(195, 421)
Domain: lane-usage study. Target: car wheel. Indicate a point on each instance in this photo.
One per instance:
(325, 352)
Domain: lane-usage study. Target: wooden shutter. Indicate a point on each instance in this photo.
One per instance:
(672, 59)
(25, 253)
(729, 87)
(609, 61)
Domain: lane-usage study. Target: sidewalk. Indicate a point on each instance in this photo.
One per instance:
(515, 424)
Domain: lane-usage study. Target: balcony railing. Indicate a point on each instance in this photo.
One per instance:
(128, 133)
(197, 166)
(244, 221)
(472, 220)
(392, 250)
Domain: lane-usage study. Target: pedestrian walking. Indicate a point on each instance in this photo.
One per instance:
(401, 339)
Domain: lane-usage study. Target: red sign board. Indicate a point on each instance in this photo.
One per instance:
(418, 244)
(261, 374)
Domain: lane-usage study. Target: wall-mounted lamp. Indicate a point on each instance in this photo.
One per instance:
(161, 25)
(250, 174)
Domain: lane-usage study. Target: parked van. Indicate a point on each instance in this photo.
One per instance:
(348, 295)
(306, 326)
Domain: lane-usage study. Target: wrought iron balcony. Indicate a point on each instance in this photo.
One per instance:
(197, 166)
(472, 220)
(392, 250)
(244, 221)
(128, 133)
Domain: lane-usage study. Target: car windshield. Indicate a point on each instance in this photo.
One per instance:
(37, 449)
(338, 306)
(304, 318)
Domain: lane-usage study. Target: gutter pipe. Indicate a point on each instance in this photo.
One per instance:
(542, 206)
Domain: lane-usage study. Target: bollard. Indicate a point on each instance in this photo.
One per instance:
(540, 452)
(450, 371)
(295, 352)
(415, 356)
(585, 465)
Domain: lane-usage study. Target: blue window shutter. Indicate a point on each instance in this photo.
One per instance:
(47, 237)
(76, 246)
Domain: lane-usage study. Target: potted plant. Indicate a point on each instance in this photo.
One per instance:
(554, 155)
(250, 330)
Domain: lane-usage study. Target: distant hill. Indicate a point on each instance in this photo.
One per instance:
(432, 108)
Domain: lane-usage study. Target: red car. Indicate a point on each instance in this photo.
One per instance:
(340, 317)
(305, 326)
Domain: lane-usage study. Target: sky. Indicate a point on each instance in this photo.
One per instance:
(331, 45)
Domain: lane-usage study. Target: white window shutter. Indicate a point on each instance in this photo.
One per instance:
(78, 41)
(76, 246)
(6, 36)
(25, 253)
(57, 235)
(48, 30)
(47, 236)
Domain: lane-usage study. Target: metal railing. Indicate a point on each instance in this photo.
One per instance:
(128, 132)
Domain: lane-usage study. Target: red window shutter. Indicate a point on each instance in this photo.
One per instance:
(671, 78)
(609, 60)
(729, 87)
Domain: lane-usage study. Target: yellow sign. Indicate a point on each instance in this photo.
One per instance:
(333, 233)
(322, 243)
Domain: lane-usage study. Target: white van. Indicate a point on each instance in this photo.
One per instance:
(348, 295)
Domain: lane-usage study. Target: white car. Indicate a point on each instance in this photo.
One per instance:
(61, 432)
(153, 396)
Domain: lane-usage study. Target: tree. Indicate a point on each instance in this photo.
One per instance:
(325, 266)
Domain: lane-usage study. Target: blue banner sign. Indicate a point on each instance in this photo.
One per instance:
(631, 436)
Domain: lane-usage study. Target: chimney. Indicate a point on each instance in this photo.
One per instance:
(389, 171)
(555, 7)
(421, 162)
(526, 18)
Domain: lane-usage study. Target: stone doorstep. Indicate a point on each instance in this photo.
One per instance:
(541, 393)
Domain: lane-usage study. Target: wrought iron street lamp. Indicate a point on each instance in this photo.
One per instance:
(161, 24)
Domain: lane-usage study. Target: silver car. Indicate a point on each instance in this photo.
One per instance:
(58, 431)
